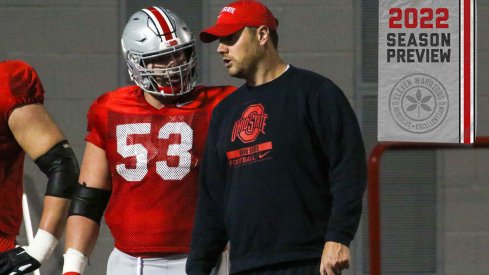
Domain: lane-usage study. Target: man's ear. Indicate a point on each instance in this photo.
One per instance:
(263, 34)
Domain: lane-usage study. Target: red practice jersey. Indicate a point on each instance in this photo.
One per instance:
(19, 85)
(154, 157)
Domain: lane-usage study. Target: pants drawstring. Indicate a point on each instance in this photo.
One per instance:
(139, 266)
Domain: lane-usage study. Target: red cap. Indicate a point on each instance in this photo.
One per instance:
(237, 15)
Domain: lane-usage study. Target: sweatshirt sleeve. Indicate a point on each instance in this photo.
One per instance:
(209, 236)
(341, 139)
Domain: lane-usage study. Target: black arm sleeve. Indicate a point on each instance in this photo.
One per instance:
(61, 167)
(89, 202)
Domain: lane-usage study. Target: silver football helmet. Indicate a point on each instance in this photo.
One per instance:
(156, 35)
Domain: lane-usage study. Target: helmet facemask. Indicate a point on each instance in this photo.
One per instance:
(151, 73)
(160, 52)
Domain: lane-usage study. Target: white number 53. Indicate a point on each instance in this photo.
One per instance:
(141, 153)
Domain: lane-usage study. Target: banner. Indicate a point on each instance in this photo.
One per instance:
(427, 53)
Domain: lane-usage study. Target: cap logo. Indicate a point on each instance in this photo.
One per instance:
(231, 10)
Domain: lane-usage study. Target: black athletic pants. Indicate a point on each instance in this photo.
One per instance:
(304, 267)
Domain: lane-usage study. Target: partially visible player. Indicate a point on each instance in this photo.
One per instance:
(26, 127)
(143, 152)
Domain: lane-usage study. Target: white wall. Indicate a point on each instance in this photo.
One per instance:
(74, 47)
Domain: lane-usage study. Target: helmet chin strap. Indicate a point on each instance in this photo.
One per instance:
(170, 90)
(173, 89)
(178, 100)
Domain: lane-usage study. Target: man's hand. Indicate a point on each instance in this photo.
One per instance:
(17, 261)
(336, 257)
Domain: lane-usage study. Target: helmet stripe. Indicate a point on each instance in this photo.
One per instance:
(162, 22)
(166, 17)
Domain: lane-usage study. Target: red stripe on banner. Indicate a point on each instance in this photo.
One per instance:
(467, 67)
(163, 24)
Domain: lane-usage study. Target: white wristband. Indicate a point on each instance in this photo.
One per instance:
(75, 261)
(42, 246)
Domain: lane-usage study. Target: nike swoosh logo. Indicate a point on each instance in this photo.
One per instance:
(24, 267)
(262, 155)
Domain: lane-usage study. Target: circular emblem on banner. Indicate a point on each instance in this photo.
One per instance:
(418, 103)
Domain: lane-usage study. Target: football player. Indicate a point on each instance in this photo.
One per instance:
(26, 127)
(143, 151)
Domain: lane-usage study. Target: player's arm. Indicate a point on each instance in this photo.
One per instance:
(43, 141)
(89, 202)
(37, 134)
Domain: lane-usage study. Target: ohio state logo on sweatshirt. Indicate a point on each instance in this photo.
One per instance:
(251, 124)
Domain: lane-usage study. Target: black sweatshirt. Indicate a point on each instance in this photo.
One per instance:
(284, 171)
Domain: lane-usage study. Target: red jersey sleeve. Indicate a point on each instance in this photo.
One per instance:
(224, 92)
(20, 85)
